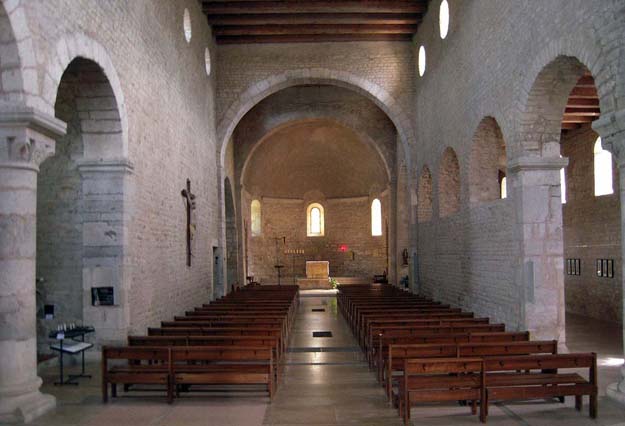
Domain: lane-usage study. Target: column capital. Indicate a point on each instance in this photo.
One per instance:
(537, 163)
(611, 128)
(27, 136)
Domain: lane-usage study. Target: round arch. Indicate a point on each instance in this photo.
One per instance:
(291, 122)
(80, 45)
(23, 85)
(545, 91)
(260, 90)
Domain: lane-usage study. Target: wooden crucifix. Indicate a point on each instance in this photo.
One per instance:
(189, 200)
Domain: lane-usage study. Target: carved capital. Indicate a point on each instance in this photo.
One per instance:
(611, 128)
(27, 136)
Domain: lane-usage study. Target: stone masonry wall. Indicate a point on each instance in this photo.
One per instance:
(347, 221)
(168, 105)
(486, 64)
(591, 231)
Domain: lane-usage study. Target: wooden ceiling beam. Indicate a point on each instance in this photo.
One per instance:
(253, 30)
(582, 102)
(584, 92)
(311, 38)
(570, 126)
(586, 80)
(590, 112)
(316, 18)
(577, 119)
(313, 6)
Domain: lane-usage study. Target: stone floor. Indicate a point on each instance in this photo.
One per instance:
(326, 382)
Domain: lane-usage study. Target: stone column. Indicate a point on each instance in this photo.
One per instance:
(611, 128)
(535, 185)
(107, 195)
(26, 139)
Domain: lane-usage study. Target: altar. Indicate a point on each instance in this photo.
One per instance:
(317, 273)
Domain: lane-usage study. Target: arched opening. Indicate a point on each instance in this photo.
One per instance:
(316, 179)
(488, 167)
(256, 218)
(376, 218)
(591, 220)
(424, 196)
(81, 202)
(448, 184)
(577, 236)
(315, 220)
(232, 242)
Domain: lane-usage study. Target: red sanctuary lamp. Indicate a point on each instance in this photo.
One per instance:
(343, 248)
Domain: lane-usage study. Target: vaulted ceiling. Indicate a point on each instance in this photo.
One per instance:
(287, 21)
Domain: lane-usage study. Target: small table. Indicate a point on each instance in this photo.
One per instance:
(74, 347)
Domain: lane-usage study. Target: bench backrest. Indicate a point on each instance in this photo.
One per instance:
(142, 353)
(221, 353)
(541, 362)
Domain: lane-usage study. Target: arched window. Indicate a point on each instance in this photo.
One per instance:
(603, 170)
(376, 218)
(503, 187)
(314, 219)
(256, 218)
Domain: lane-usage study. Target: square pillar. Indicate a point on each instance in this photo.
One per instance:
(535, 188)
(107, 189)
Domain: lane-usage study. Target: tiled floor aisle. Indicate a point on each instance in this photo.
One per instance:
(326, 382)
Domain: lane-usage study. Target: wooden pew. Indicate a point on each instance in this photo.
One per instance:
(398, 353)
(145, 365)
(507, 378)
(391, 335)
(442, 379)
(219, 331)
(226, 365)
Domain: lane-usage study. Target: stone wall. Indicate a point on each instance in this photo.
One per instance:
(480, 256)
(166, 103)
(591, 231)
(347, 221)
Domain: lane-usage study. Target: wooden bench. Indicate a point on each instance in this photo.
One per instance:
(407, 331)
(398, 353)
(145, 365)
(442, 379)
(540, 376)
(223, 366)
(219, 331)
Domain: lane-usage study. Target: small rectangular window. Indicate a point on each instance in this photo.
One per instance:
(573, 267)
(605, 268)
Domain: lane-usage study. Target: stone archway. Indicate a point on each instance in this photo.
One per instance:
(319, 76)
(260, 90)
(83, 199)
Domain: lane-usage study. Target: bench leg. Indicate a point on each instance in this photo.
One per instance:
(483, 405)
(105, 391)
(170, 391)
(561, 399)
(474, 407)
(579, 401)
(593, 406)
(114, 390)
